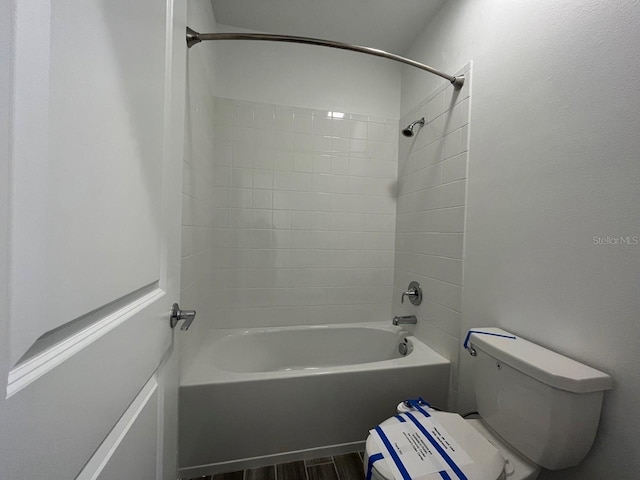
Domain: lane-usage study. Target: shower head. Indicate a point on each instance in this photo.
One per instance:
(408, 132)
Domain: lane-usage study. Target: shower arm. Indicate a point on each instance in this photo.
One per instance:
(194, 37)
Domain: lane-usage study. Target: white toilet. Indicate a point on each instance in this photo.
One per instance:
(538, 409)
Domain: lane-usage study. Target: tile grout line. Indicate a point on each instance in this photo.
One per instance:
(335, 468)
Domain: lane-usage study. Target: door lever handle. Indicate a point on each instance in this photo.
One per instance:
(176, 315)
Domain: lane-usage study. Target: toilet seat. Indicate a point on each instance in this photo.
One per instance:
(487, 464)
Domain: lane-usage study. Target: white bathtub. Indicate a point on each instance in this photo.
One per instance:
(256, 397)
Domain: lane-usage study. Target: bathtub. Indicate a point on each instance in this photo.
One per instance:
(254, 397)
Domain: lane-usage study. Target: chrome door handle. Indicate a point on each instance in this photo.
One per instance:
(176, 315)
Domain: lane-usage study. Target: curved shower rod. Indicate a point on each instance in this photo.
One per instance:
(194, 37)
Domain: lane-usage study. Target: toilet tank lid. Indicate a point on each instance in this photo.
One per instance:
(540, 363)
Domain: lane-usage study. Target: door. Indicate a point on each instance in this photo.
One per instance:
(91, 131)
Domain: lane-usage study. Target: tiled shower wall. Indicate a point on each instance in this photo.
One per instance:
(292, 218)
(432, 171)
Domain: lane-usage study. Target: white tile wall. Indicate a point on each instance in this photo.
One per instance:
(202, 206)
(289, 215)
(432, 170)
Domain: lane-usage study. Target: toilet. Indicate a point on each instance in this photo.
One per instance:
(536, 409)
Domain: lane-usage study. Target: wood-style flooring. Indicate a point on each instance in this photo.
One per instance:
(338, 467)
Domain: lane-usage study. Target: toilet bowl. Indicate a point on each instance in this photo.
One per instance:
(537, 409)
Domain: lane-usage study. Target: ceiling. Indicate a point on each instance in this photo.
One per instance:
(390, 25)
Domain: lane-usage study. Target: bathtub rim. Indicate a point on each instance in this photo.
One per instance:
(196, 374)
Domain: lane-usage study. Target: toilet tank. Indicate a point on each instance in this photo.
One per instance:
(546, 405)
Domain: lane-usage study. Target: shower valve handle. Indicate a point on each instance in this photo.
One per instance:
(409, 293)
(414, 292)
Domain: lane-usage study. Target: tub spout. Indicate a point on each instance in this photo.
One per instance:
(408, 319)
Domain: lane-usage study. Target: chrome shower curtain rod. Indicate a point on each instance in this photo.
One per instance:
(194, 37)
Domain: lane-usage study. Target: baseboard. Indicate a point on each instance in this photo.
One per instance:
(255, 462)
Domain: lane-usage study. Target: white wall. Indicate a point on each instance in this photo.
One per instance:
(6, 91)
(553, 162)
(432, 171)
(305, 76)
